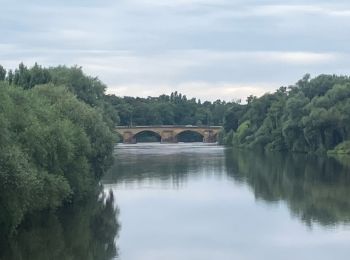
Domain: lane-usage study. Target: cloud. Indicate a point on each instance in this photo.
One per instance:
(200, 65)
(289, 10)
(199, 90)
(179, 3)
(300, 58)
(217, 44)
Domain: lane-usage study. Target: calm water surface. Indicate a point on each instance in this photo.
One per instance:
(197, 201)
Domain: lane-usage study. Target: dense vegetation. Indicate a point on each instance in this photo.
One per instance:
(311, 116)
(175, 109)
(56, 139)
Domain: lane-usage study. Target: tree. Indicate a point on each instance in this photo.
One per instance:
(2, 73)
(54, 148)
(311, 116)
(10, 77)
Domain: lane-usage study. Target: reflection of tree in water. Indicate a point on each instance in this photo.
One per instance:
(174, 168)
(316, 189)
(344, 159)
(85, 231)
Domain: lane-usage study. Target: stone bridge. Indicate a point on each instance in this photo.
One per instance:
(168, 133)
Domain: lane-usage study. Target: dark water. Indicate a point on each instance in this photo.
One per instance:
(205, 202)
(85, 231)
(200, 202)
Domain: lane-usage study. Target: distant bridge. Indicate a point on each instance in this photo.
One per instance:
(168, 133)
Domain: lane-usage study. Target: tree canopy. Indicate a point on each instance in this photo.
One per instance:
(311, 116)
(173, 109)
(54, 143)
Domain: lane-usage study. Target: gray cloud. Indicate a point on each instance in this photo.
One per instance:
(208, 48)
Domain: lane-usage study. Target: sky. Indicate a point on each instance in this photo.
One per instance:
(209, 49)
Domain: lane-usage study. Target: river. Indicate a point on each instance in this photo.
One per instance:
(198, 201)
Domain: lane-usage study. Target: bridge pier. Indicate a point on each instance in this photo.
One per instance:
(168, 136)
(129, 138)
(209, 136)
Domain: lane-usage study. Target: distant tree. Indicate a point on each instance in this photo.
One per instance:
(10, 77)
(2, 73)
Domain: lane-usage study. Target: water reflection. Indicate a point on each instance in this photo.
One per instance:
(203, 202)
(316, 189)
(85, 231)
(170, 165)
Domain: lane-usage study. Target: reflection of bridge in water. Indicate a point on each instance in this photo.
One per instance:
(168, 133)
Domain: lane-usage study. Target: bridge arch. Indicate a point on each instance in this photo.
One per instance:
(154, 136)
(189, 135)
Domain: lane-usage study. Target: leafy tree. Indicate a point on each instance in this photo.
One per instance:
(311, 116)
(2, 73)
(54, 148)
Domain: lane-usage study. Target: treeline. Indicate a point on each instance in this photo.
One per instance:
(174, 109)
(311, 116)
(56, 139)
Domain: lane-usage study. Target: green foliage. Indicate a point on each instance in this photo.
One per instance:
(28, 78)
(88, 89)
(175, 109)
(243, 131)
(233, 116)
(54, 148)
(2, 73)
(312, 116)
(225, 138)
(342, 148)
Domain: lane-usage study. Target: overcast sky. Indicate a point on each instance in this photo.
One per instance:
(208, 49)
